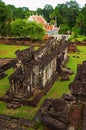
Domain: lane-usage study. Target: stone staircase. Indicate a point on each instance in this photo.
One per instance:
(15, 102)
(12, 123)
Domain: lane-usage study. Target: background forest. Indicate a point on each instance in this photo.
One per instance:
(68, 16)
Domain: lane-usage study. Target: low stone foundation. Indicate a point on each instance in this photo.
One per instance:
(18, 100)
(21, 41)
(5, 64)
(60, 114)
(12, 123)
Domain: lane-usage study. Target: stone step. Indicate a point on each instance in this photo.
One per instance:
(16, 99)
(13, 105)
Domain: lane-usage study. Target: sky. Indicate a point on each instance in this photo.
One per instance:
(34, 4)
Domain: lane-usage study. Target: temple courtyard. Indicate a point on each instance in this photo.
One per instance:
(59, 87)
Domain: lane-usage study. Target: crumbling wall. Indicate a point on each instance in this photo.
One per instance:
(68, 112)
(60, 114)
(35, 71)
(4, 65)
(20, 41)
(78, 86)
(72, 47)
(35, 68)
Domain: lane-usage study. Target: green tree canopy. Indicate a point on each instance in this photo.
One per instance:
(23, 28)
(67, 14)
(48, 9)
(19, 28)
(35, 30)
(39, 11)
(81, 22)
(64, 28)
(5, 16)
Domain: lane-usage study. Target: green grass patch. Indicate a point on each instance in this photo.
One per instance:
(4, 83)
(74, 60)
(79, 38)
(8, 51)
(23, 112)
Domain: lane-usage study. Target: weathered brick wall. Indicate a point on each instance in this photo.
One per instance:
(20, 41)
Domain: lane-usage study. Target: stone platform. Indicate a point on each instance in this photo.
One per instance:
(12, 123)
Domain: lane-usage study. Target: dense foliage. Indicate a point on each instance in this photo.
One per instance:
(23, 28)
(69, 16)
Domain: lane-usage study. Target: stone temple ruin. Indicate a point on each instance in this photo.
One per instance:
(78, 86)
(35, 71)
(61, 114)
(68, 112)
(35, 68)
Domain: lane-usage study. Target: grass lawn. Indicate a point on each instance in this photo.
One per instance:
(57, 89)
(8, 51)
(80, 38)
(4, 83)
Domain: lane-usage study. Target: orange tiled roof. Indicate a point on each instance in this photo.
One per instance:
(41, 20)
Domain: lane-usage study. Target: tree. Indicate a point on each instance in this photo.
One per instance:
(72, 4)
(4, 18)
(22, 12)
(39, 11)
(62, 15)
(35, 30)
(55, 17)
(12, 9)
(64, 28)
(81, 21)
(73, 12)
(19, 28)
(48, 9)
(23, 28)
